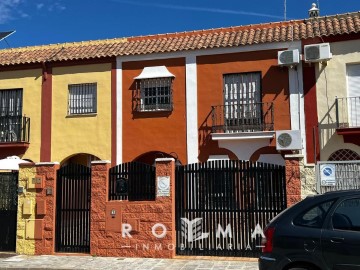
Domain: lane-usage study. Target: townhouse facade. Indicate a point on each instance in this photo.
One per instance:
(216, 95)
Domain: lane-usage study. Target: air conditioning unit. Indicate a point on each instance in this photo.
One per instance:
(317, 52)
(288, 58)
(288, 140)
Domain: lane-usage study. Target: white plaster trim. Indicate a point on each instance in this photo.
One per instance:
(218, 157)
(243, 135)
(164, 159)
(296, 92)
(119, 109)
(192, 145)
(243, 149)
(154, 72)
(45, 163)
(101, 162)
(294, 156)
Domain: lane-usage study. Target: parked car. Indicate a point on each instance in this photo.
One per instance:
(322, 232)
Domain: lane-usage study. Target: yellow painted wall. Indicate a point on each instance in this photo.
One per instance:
(332, 82)
(81, 134)
(23, 245)
(30, 81)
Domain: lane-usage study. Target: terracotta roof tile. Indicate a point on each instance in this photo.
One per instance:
(194, 40)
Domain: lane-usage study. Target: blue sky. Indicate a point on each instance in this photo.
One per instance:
(40, 22)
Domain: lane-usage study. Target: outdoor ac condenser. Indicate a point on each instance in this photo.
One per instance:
(288, 57)
(288, 140)
(317, 52)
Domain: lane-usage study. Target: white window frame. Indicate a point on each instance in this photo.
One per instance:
(155, 94)
(82, 99)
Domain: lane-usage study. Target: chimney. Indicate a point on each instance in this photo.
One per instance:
(314, 11)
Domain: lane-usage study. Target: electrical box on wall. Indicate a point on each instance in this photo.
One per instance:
(40, 207)
(34, 229)
(36, 182)
(27, 207)
(113, 217)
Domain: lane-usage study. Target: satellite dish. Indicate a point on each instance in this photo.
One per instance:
(4, 35)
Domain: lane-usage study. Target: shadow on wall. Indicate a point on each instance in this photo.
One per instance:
(207, 146)
(327, 126)
(149, 157)
(81, 158)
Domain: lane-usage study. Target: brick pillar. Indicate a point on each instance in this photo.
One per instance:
(99, 197)
(293, 179)
(165, 167)
(45, 207)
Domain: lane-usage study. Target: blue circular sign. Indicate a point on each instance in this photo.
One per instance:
(327, 171)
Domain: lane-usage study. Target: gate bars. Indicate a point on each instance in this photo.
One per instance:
(8, 210)
(73, 209)
(238, 194)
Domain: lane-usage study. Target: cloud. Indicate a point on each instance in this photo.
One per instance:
(39, 6)
(7, 8)
(57, 6)
(200, 9)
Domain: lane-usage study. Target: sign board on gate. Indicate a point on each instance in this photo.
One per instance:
(327, 175)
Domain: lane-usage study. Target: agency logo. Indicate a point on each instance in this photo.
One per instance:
(192, 230)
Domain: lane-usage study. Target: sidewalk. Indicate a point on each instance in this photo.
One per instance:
(87, 262)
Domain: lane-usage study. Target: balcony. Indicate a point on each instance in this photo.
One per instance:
(14, 131)
(348, 118)
(255, 117)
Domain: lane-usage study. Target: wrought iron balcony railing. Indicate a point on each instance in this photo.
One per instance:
(243, 117)
(347, 112)
(14, 129)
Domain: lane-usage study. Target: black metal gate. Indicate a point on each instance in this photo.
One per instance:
(133, 181)
(73, 209)
(223, 206)
(8, 210)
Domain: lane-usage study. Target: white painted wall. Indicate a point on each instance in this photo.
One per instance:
(332, 82)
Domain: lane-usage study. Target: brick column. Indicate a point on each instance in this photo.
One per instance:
(99, 197)
(293, 179)
(46, 208)
(165, 167)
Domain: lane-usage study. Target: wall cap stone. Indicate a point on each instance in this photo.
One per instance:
(24, 165)
(164, 159)
(101, 162)
(46, 163)
(294, 156)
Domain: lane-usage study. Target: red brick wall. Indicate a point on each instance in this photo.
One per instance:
(106, 237)
(46, 245)
(293, 181)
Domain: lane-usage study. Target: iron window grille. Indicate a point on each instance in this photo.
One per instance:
(82, 98)
(154, 95)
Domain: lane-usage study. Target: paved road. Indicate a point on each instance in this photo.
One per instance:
(109, 263)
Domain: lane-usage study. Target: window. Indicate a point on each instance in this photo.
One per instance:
(314, 218)
(353, 85)
(242, 101)
(82, 98)
(346, 216)
(11, 120)
(10, 102)
(155, 95)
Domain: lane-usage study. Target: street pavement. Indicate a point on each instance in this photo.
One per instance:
(62, 262)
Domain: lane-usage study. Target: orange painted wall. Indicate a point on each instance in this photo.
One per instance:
(151, 131)
(210, 71)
